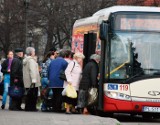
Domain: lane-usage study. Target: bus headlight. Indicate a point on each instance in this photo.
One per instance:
(117, 95)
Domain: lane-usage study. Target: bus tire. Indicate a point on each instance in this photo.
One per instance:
(147, 116)
(105, 114)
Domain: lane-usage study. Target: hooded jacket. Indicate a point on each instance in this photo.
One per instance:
(31, 72)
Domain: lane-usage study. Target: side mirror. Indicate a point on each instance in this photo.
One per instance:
(103, 31)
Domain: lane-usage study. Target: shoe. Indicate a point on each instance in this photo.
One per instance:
(31, 110)
(69, 113)
(75, 112)
(3, 106)
(86, 113)
(14, 109)
(20, 109)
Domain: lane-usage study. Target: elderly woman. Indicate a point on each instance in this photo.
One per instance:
(89, 78)
(31, 79)
(73, 75)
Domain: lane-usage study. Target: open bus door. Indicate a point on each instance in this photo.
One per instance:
(89, 46)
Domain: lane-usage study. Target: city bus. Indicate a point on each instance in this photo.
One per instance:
(128, 40)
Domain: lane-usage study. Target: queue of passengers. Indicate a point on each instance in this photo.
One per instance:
(23, 73)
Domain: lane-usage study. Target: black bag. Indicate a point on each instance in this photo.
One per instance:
(63, 75)
(30, 90)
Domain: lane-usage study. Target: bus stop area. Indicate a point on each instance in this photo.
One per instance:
(51, 118)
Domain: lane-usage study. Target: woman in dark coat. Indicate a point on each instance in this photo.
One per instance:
(89, 79)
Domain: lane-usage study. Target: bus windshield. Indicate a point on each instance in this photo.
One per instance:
(138, 51)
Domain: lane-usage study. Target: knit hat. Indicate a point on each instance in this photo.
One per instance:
(18, 50)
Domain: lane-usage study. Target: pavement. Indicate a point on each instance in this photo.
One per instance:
(8, 117)
(50, 118)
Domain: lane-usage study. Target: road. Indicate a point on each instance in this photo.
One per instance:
(126, 119)
(50, 118)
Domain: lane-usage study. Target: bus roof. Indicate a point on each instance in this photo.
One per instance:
(87, 20)
(107, 11)
(104, 13)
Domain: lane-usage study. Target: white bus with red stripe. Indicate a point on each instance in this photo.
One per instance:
(128, 39)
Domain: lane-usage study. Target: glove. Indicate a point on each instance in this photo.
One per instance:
(15, 80)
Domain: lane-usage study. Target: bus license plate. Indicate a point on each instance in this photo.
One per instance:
(151, 109)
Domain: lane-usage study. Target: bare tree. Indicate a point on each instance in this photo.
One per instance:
(10, 23)
(57, 17)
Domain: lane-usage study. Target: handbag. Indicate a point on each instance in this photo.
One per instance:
(92, 96)
(70, 91)
(30, 91)
(62, 74)
(15, 91)
(64, 92)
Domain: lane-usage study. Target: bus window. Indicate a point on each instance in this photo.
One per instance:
(143, 56)
(119, 57)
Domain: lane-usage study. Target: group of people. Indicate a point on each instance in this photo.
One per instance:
(79, 78)
(25, 73)
(21, 72)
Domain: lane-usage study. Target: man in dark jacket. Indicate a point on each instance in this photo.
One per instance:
(17, 77)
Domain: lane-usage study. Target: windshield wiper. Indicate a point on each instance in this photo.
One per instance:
(155, 73)
(138, 74)
(142, 71)
(152, 69)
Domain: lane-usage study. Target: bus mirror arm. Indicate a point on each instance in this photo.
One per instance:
(103, 34)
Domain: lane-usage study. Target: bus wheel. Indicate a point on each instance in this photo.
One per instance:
(156, 116)
(147, 116)
(105, 114)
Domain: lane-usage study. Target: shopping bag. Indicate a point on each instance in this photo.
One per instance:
(70, 91)
(15, 91)
(64, 92)
(92, 96)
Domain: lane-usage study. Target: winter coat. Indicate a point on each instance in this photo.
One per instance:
(4, 69)
(54, 69)
(89, 75)
(16, 71)
(73, 74)
(45, 65)
(31, 72)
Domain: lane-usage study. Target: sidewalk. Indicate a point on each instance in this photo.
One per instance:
(8, 117)
(50, 118)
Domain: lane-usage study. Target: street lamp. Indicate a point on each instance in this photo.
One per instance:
(30, 38)
(26, 4)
